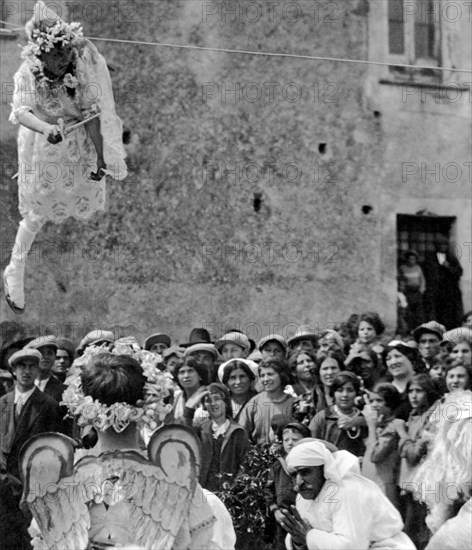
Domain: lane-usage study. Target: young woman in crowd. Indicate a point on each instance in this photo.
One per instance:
(403, 362)
(192, 379)
(381, 460)
(224, 442)
(458, 375)
(239, 376)
(256, 417)
(462, 349)
(326, 371)
(302, 365)
(326, 368)
(413, 447)
(342, 424)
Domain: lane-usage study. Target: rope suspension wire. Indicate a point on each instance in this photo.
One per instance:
(267, 54)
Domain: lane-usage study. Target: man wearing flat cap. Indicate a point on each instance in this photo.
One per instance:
(206, 355)
(97, 337)
(304, 338)
(336, 507)
(24, 412)
(47, 382)
(428, 336)
(157, 343)
(233, 345)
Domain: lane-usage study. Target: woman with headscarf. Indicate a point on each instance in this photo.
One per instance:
(336, 507)
(239, 376)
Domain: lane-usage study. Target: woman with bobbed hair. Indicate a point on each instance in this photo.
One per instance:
(192, 379)
(256, 417)
(239, 376)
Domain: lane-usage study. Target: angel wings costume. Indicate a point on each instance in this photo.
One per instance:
(122, 498)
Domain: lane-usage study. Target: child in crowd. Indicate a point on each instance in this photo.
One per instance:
(413, 448)
(369, 328)
(342, 424)
(279, 491)
(381, 460)
(437, 370)
(458, 375)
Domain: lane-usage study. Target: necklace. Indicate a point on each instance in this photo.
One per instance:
(354, 432)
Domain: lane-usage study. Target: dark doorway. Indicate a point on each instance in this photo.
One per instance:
(420, 232)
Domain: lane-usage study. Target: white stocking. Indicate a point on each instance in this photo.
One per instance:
(15, 271)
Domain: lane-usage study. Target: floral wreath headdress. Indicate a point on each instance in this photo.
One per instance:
(46, 29)
(149, 411)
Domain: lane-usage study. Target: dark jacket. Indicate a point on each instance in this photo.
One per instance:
(39, 414)
(279, 492)
(54, 388)
(233, 450)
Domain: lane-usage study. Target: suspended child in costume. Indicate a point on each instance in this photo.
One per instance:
(69, 138)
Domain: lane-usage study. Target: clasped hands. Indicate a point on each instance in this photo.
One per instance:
(293, 523)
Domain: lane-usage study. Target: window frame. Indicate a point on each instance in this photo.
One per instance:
(409, 21)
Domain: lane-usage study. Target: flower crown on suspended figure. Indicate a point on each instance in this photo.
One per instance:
(149, 411)
(45, 30)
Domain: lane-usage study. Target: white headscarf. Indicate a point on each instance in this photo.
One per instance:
(253, 367)
(313, 453)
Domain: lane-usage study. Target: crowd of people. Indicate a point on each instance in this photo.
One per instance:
(379, 401)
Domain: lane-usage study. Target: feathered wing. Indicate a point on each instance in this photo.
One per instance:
(158, 506)
(143, 507)
(53, 493)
